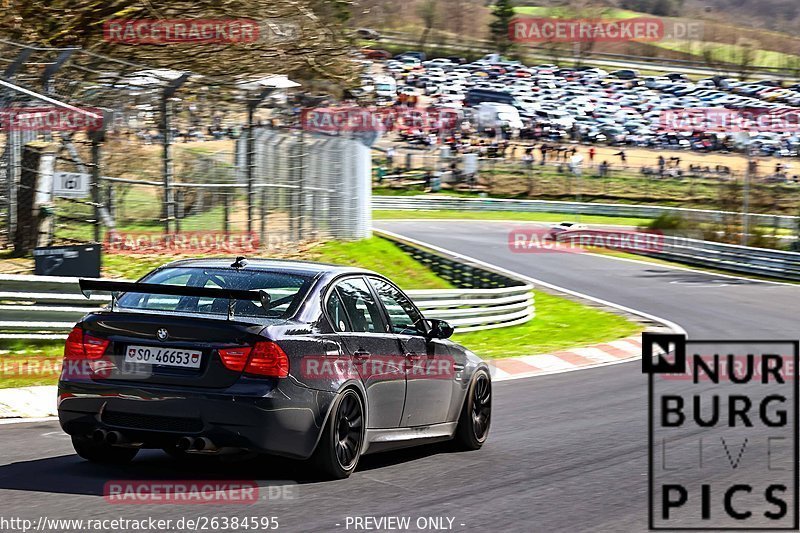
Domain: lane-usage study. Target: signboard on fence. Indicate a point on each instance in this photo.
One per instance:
(71, 185)
(82, 260)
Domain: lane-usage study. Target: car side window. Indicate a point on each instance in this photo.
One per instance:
(364, 313)
(336, 312)
(404, 317)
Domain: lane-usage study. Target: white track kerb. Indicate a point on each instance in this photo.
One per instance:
(31, 404)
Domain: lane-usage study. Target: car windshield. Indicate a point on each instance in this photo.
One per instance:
(286, 291)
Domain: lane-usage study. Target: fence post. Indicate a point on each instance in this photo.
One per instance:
(226, 212)
(179, 209)
(166, 132)
(95, 185)
(111, 200)
(302, 185)
(262, 233)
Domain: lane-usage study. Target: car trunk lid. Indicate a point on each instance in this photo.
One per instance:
(170, 350)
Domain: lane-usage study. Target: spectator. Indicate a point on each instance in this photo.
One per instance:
(390, 158)
(527, 160)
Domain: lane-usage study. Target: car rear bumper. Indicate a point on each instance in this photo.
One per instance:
(278, 418)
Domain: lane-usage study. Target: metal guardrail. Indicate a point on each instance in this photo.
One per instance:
(41, 307)
(572, 208)
(755, 261)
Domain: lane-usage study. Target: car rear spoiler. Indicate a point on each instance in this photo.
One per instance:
(115, 287)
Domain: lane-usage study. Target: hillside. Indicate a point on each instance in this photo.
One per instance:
(734, 31)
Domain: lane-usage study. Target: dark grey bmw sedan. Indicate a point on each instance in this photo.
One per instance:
(299, 359)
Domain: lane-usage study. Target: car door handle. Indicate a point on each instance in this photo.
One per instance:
(361, 355)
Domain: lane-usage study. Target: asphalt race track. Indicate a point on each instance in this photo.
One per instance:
(567, 452)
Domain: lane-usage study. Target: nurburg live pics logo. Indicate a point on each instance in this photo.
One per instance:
(722, 434)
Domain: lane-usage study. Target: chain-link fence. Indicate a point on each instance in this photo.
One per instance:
(179, 153)
(304, 187)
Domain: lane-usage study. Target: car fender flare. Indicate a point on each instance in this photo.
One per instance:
(350, 384)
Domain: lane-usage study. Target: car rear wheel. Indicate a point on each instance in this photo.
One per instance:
(340, 446)
(476, 415)
(101, 452)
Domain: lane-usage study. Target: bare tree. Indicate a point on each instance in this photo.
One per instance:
(428, 13)
(297, 36)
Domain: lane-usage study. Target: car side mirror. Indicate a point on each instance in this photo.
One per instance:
(439, 329)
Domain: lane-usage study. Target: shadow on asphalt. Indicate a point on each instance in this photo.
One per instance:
(700, 278)
(69, 474)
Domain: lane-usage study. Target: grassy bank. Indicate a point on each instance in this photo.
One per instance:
(559, 324)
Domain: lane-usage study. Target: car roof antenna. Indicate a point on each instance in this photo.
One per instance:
(240, 262)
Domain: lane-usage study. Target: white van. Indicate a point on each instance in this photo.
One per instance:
(493, 115)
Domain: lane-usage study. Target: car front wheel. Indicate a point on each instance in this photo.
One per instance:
(476, 415)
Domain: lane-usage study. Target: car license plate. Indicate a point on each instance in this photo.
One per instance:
(154, 355)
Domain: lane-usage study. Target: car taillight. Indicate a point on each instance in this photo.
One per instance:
(81, 346)
(235, 358)
(73, 348)
(268, 360)
(265, 359)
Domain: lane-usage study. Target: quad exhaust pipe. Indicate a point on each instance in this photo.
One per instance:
(185, 444)
(112, 438)
(99, 435)
(192, 444)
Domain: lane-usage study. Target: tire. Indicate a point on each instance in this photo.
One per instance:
(476, 415)
(102, 453)
(339, 447)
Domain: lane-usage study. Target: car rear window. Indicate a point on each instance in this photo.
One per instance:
(286, 291)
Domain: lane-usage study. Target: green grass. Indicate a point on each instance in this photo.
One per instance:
(375, 254)
(564, 12)
(382, 256)
(559, 324)
(731, 53)
(28, 363)
(504, 215)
